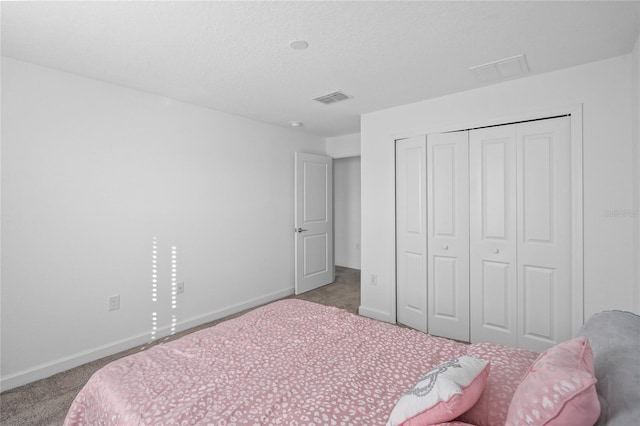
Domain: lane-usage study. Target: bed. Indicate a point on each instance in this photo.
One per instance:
(299, 363)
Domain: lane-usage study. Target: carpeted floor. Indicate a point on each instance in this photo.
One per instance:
(46, 401)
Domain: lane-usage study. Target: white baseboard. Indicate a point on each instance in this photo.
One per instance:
(45, 370)
(375, 314)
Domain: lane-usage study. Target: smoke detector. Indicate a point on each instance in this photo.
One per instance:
(299, 44)
(332, 98)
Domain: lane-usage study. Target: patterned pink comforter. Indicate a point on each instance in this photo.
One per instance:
(290, 362)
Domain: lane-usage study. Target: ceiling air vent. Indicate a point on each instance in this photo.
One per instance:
(332, 98)
(501, 70)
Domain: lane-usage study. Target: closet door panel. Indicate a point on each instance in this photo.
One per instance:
(494, 190)
(448, 234)
(411, 233)
(444, 290)
(495, 285)
(544, 232)
(538, 287)
(493, 267)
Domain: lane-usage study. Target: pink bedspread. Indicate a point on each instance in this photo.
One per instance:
(290, 362)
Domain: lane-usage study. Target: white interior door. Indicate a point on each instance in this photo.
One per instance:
(411, 233)
(314, 222)
(448, 234)
(493, 267)
(544, 233)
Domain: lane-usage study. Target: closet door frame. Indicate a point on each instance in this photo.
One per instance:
(577, 205)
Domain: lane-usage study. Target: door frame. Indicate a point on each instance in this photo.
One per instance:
(574, 111)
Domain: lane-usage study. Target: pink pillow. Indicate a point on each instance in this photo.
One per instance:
(559, 388)
(508, 367)
(444, 393)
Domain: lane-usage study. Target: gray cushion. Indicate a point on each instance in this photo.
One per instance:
(615, 339)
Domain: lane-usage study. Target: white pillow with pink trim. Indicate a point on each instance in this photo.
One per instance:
(443, 394)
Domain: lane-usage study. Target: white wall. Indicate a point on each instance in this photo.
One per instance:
(344, 146)
(91, 173)
(346, 207)
(604, 90)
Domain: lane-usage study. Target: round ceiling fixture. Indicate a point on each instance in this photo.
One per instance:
(298, 44)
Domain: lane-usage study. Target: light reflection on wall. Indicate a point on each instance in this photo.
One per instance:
(155, 288)
(174, 289)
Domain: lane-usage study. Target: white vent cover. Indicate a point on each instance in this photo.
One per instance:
(502, 69)
(332, 98)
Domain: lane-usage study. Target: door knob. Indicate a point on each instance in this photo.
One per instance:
(496, 251)
(300, 230)
(445, 247)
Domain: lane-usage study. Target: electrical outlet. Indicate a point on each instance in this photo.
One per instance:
(374, 279)
(180, 288)
(114, 302)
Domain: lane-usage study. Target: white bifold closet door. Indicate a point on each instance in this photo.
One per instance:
(411, 232)
(493, 268)
(448, 234)
(520, 234)
(484, 244)
(544, 233)
(432, 234)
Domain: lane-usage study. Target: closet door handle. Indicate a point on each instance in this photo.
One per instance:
(445, 247)
(496, 251)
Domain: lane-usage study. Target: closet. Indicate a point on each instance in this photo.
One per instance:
(483, 233)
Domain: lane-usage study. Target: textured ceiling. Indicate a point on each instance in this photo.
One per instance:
(235, 56)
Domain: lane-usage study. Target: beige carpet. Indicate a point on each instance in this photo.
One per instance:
(46, 401)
